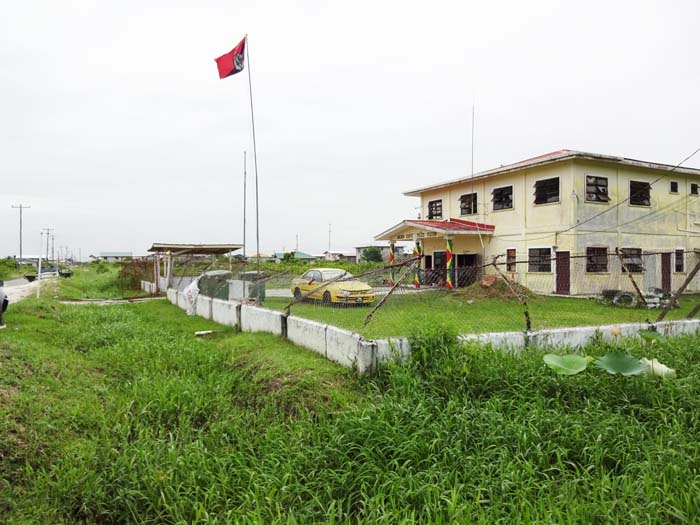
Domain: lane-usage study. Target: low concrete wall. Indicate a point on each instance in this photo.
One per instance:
(306, 333)
(497, 339)
(395, 348)
(225, 312)
(342, 345)
(182, 300)
(351, 350)
(149, 287)
(203, 306)
(256, 319)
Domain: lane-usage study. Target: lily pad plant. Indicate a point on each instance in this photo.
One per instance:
(612, 362)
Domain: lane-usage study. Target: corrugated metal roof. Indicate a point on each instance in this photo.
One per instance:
(448, 226)
(194, 249)
(549, 158)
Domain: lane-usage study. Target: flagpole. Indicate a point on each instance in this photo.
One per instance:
(245, 192)
(255, 162)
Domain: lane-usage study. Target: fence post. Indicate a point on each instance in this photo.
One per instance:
(634, 283)
(677, 293)
(528, 321)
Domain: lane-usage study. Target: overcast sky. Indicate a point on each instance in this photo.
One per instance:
(116, 129)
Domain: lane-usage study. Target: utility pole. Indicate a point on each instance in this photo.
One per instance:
(53, 254)
(20, 207)
(245, 190)
(48, 234)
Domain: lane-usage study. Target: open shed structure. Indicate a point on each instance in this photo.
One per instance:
(167, 252)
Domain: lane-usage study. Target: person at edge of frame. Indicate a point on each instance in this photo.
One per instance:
(3, 306)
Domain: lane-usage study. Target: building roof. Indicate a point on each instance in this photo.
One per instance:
(550, 158)
(297, 255)
(446, 227)
(382, 246)
(194, 249)
(115, 254)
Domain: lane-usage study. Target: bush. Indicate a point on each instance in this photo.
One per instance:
(372, 254)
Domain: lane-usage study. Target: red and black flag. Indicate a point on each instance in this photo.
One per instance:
(232, 62)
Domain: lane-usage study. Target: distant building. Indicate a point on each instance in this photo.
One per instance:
(113, 256)
(299, 256)
(340, 256)
(398, 252)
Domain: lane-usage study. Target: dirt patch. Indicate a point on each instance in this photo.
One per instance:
(494, 289)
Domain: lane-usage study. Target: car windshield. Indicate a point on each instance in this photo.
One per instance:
(333, 274)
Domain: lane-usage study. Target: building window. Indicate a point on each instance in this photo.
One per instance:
(596, 260)
(467, 204)
(632, 260)
(694, 189)
(547, 190)
(597, 189)
(435, 209)
(539, 260)
(680, 261)
(674, 187)
(510, 260)
(640, 193)
(502, 198)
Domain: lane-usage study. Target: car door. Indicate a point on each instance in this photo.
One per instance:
(310, 281)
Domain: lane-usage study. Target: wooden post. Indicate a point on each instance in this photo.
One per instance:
(634, 283)
(528, 321)
(677, 293)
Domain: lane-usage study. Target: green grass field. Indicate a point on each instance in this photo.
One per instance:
(120, 414)
(96, 281)
(9, 269)
(402, 313)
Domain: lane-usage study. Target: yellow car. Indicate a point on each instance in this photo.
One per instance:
(346, 290)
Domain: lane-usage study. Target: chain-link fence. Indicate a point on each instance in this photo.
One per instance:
(598, 287)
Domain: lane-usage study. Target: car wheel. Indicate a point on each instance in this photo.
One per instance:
(297, 294)
(326, 297)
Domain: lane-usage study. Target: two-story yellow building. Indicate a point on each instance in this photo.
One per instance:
(556, 223)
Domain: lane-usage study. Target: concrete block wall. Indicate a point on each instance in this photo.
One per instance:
(256, 319)
(225, 312)
(149, 287)
(203, 306)
(352, 350)
(307, 333)
(342, 346)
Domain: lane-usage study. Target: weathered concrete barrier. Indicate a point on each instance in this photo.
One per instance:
(395, 348)
(225, 312)
(203, 306)
(342, 345)
(306, 333)
(497, 339)
(256, 319)
(182, 300)
(351, 350)
(149, 287)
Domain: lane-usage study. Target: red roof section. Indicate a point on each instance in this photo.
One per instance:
(454, 225)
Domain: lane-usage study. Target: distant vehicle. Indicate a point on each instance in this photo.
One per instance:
(346, 290)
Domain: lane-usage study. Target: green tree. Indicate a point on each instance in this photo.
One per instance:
(372, 254)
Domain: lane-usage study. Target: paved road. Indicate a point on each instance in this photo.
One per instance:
(18, 289)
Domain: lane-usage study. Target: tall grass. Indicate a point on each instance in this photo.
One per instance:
(97, 280)
(121, 415)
